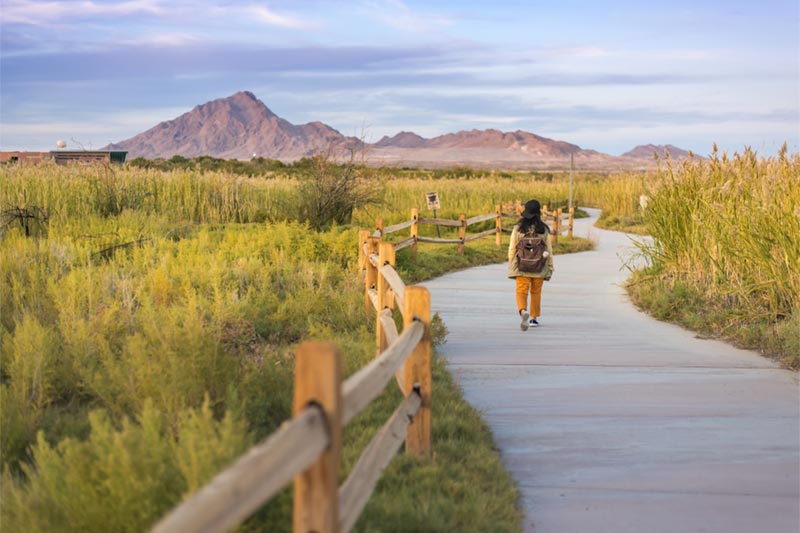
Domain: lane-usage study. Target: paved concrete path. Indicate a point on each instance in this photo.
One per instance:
(611, 421)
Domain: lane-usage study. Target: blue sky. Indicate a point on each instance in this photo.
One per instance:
(603, 75)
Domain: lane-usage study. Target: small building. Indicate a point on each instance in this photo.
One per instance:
(24, 157)
(63, 157)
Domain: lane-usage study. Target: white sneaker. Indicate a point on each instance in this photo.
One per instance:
(533, 323)
(525, 322)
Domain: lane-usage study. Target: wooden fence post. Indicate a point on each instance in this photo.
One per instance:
(371, 277)
(387, 255)
(417, 370)
(414, 232)
(318, 380)
(498, 226)
(363, 235)
(571, 221)
(556, 225)
(462, 232)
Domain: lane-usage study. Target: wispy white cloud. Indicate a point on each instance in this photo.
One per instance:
(37, 13)
(162, 39)
(580, 51)
(397, 14)
(482, 119)
(687, 55)
(273, 18)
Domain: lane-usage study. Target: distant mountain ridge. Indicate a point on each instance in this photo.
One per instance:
(404, 139)
(647, 151)
(241, 127)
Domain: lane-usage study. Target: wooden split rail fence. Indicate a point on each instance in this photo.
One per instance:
(462, 223)
(561, 222)
(307, 448)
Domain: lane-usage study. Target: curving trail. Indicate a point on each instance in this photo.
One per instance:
(611, 421)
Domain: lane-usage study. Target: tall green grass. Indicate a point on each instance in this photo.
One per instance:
(727, 230)
(69, 193)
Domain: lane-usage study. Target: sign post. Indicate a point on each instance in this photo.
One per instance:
(433, 203)
(571, 164)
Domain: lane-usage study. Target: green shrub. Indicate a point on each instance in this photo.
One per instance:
(120, 479)
(32, 367)
(329, 191)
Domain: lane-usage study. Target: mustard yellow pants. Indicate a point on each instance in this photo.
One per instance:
(534, 286)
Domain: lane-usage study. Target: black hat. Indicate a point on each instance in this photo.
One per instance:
(532, 208)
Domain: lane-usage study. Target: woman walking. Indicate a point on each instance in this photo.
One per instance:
(530, 262)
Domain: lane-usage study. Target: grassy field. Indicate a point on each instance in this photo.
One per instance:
(149, 321)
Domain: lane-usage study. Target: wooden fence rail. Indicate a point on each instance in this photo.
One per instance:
(241, 489)
(307, 448)
(462, 223)
(441, 222)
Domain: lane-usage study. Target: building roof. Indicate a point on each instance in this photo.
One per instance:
(72, 152)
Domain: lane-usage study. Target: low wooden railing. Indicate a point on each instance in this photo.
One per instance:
(462, 224)
(560, 222)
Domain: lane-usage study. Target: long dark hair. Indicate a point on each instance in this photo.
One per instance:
(525, 224)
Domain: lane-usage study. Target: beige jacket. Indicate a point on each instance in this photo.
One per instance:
(513, 271)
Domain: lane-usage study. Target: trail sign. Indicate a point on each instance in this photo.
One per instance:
(433, 203)
(433, 200)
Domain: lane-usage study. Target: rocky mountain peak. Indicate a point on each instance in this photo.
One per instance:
(404, 139)
(236, 127)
